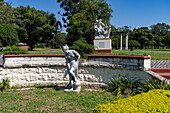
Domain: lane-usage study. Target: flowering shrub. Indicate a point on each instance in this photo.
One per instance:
(156, 100)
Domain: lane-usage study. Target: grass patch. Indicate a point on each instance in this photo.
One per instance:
(46, 51)
(51, 100)
(154, 49)
(159, 56)
(156, 54)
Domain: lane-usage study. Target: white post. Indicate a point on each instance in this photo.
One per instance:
(127, 41)
(121, 41)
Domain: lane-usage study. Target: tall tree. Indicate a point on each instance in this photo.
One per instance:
(35, 25)
(167, 39)
(6, 14)
(143, 35)
(159, 31)
(81, 16)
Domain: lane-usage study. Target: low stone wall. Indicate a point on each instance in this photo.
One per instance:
(125, 61)
(24, 70)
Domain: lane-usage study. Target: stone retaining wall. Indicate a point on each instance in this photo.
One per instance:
(24, 70)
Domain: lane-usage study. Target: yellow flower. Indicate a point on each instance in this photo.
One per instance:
(152, 101)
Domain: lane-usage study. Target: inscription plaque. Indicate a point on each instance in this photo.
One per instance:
(101, 45)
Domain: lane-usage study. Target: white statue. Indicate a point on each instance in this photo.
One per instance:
(101, 30)
(72, 61)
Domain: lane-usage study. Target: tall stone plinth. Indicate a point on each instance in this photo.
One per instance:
(103, 45)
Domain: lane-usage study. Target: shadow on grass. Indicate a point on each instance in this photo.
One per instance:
(55, 87)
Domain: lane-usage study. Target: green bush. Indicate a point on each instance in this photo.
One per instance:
(154, 84)
(40, 45)
(82, 48)
(14, 50)
(133, 87)
(152, 101)
(134, 43)
(127, 86)
(5, 84)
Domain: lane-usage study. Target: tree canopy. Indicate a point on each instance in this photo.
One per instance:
(8, 35)
(143, 35)
(35, 26)
(159, 31)
(6, 14)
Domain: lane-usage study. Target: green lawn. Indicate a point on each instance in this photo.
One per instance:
(46, 51)
(155, 49)
(52, 100)
(156, 54)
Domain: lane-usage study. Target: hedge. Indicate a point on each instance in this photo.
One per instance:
(156, 100)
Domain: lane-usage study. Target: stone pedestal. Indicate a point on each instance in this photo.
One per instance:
(103, 45)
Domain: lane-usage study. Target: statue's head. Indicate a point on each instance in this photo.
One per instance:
(100, 20)
(65, 48)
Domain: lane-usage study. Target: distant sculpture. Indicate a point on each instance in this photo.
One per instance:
(72, 62)
(101, 30)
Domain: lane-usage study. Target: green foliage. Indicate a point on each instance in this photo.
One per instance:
(58, 40)
(127, 86)
(6, 14)
(5, 84)
(167, 39)
(40, 45)
(14, 50)
(152, 101)
(133, 87)
(154, 84)
(144, 36)
(82, 48)
(155, 37)
(35, 26)
(160, 31)
(8, 35)
(134, 43)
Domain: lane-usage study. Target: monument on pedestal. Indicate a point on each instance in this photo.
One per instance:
(102, 41)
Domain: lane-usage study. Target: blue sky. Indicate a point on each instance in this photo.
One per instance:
(134, 13)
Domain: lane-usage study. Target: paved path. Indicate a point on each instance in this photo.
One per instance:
(160, 64)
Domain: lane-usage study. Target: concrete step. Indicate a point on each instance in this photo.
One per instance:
(164, 72)
(165, 75)
(161, 70)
